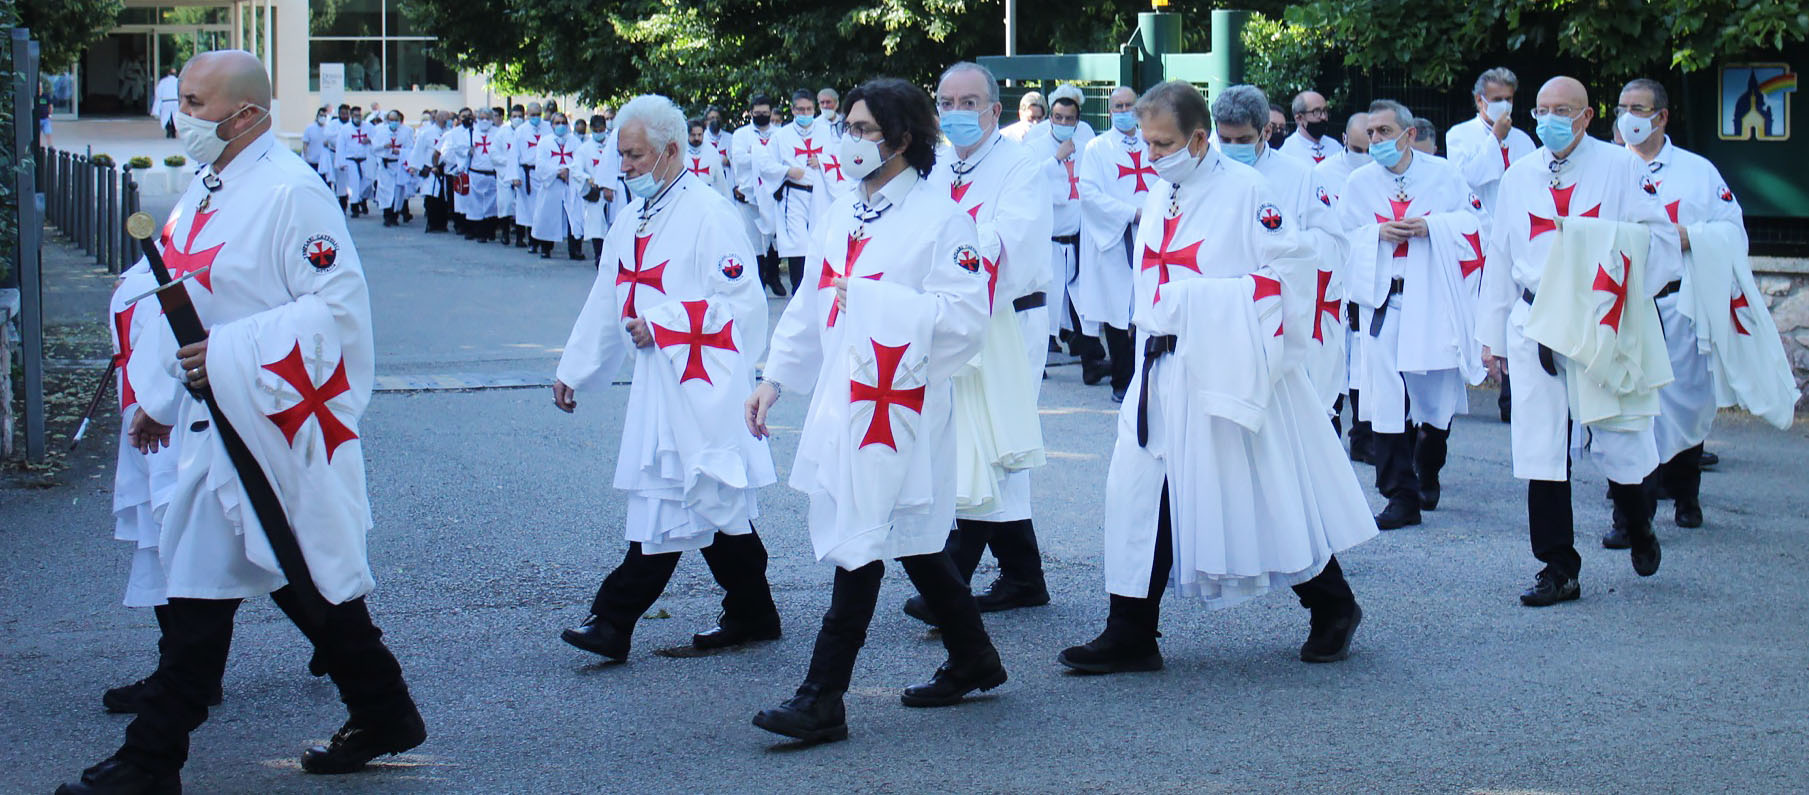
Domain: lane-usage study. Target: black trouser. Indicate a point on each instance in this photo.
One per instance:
(1133, 619)
(1682, 477)
(192, 660)
(435, 208)
(1013, 543)
(1429, 452)
(1362, 435)
(794, 266)
(1505, 402)
(737, 562)
(1118, 343)
(1080, 344)
(851, 610)
(596, 251)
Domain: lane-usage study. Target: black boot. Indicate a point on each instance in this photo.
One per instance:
(814, 715)
(359, 741)
(389, 218)
(123, 700)
(574, 248)
(1428, 460)
(1394, 479)
(1128, 643)
(1331, 628)
(545, 247)
(1682, 477)
(343, 204)
(521, 236)
(1633, 501)
(1361, 437)
(505, 232)
(954, 680)
(120, 777)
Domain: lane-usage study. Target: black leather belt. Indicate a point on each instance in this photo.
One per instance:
(485, 173)
(1154, 348)
(1670, 289)
(797, 187)
(527, 182)
(1350, 315)
(356, 159)
(1027, 302)
(389, 160)
(1375, 321)
(1546, 360)
(1067, 240)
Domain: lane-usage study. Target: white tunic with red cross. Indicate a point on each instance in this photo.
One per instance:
(556, 214)
(686, 460)
(1305, 198)
(290, 362)
(1260, 492)
(878, 443)
(141, 481)
(799, 200)
(1115, 179)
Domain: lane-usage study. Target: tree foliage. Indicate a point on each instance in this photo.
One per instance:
(65, 28)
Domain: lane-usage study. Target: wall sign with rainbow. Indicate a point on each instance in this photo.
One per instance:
(1755, 101)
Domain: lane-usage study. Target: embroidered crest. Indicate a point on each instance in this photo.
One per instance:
(1324, 198)
(968, 258)
(1269, 216)
(1475, 202)
(1726, 195)
(1649, 185)
(322, 251)
(731, 268)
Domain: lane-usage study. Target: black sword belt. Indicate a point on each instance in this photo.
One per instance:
(1547, 359)
(389, 160)
(1670, 289)
(1067, 240)
(1025, 303)
(527, 180)
(1350, 316)
(797, 187)
(356, 159)
(1154, 348)
(485, 173)
(1381, 313)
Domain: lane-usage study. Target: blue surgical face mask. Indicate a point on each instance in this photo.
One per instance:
(1124, 121)
(394, 125)
(804, 121)
(534, 120)
(961, 126)
(599, 137)
(1062, 132)
(1242, 153)
(646, 184)
(1386, 152)
(561, 130)
(1554, 131)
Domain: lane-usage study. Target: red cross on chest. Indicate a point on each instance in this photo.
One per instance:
(1073, 181)
(697, 167)
(559, 151)
(1560, 199)
(360, 137)
(122, 323)
(883, 394)
(482, 145)
(185, 260)
(696, 339)
(958, 191)
(1323, 306)
(313, 402)
(807, 151)
(1399, 208)
(1466, 267)
(1605, 283)
(856, 245)
(1187, 257)
(394, 146)
(1137, 168)
(1733, 308)
(654, 277)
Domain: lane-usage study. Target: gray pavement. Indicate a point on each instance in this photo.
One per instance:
(494, 523)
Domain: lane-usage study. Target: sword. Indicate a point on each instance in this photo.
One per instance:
(100, 391)
(179, 309)
(173, 282)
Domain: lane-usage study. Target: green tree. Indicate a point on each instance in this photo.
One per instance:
(65, 28)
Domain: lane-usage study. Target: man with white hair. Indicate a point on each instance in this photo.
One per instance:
(1238, 115)
(1032, 110)
(674, 297)
(1115, 177)
(1415, 265)
(827, 104)
(1058, 145)
(1312, 138)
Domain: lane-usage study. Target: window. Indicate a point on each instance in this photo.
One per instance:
(380, 46)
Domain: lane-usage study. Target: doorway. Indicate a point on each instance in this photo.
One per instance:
(118, 74)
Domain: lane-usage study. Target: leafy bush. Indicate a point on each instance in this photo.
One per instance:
(175, 161)
(139, 162)
(1283, 59)
(101, 159)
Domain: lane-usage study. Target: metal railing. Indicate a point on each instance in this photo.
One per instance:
(88, 203)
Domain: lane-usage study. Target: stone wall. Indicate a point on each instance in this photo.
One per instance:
(1785, 283)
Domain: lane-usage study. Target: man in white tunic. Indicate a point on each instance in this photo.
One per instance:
(502, 136)
(753, 194)
(425, 165)
(1333, 174)
(999, 439)
(288, 362)
(472, 152)
(1570, 175)
(1032, 109)
(1483, 146)
(391, 143)
(793, 162)
(555, 161)
(167, 99)
(356, 173)
(316, 149)
(703, 161)
(1238, 116)
(1415, 264)
(675, 298)
(1058, 146)
(1312, 140)
(1115, 176)
(878, 346)
(1226, 482)
(594, 184)
(524, 144)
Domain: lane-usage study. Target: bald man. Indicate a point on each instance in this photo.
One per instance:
(1572, 175)
(288, 316)
(1312, 137)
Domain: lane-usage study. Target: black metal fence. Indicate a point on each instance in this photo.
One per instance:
(89, 202)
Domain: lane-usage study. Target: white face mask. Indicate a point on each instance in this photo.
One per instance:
(1176, 166)
(1634, 129)
(1499, 108)
(1358, 159)
(200, 138)
(861, 157)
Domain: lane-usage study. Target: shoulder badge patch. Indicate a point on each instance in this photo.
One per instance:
(1726, 195)
(321, 251)
(730, 266)
(1269, 216)
(968, 258)
(1324, 198)
(1475, 202)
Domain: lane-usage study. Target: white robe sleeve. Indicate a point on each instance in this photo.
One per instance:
(599, 344)
(796, 353)
(1020, 226)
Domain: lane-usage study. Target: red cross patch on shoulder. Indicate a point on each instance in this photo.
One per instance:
(968, 258)
(1725, 194)
(321, 251)
(1269, 216)
(730, 266)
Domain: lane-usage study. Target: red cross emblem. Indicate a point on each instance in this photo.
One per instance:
(884, 394)
(1322, 306)
(482, 144)
(122, 324)
(1324, 198)
(958, 192)
(653, 277)
(1399, 208)
(1650, 185)
(562, 153)
(1138, 168)
(807, 151)
(182, 261)
(1073, 181)
(313, 401)
(1560, 199)
(1266, 287)
(1466, 267)
(1733, 308)
(322, 255)
(1725, 195)
(359, 136)
(697, 167)
(1269, 217)
(1160, 260)
(834, 163)
(394, 146)
(1605, 283)
(696, 339)
(855, 246)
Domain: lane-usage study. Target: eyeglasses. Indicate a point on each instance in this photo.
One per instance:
(1314, 113)
(1637, 110)
(865, 130)
(1563, 111)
